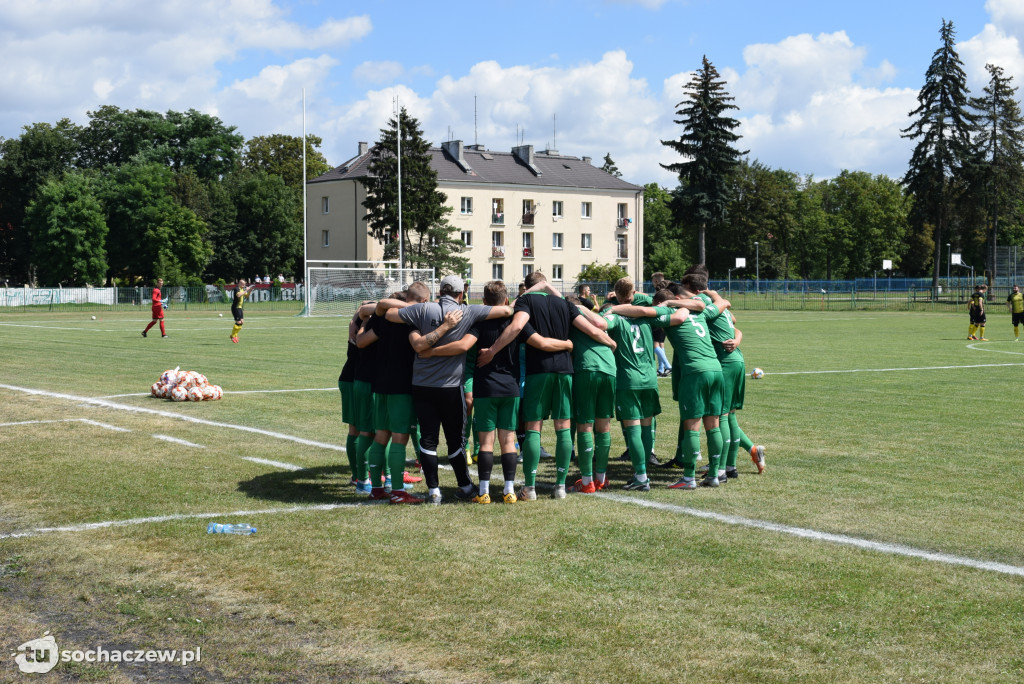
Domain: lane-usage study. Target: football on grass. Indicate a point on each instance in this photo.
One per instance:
(757, 373)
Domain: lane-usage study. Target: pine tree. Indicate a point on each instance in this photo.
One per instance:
(943, 151)
(427, 237)
(610, 167)
(707, 145)
(999, 140)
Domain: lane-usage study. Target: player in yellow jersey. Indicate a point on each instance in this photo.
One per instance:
(976, 310)
(1015, 303)
(237, 303)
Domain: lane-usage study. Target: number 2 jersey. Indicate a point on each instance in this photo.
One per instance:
(635, 362)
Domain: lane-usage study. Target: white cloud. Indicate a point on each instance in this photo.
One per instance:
(64, 57)
(378, 72)
(991, 46)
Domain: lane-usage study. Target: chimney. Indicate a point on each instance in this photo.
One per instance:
(453, 148)
(363, 148)
(524, 154)
(586, 160)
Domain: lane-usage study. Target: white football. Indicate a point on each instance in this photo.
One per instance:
(156, 390)
(94, 318)
(220, 315)
(757, 374)
(178, 393)
(218, 393)
(195, 394)
(208, 392)
(201, 380)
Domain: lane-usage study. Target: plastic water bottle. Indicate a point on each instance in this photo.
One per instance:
(224, 528)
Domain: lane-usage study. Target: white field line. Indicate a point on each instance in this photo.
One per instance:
(168, 438)
(275, 464)
(82, 527)
(311, 389)
(69, 420)
(170, 414)
(889, 370)
(806, 533)
(976, 347)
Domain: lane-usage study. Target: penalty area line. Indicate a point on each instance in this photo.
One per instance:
(842, 539)
(83, 527)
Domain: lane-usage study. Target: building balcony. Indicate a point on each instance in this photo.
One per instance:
(498, 219)
(527, 252)
(497, 252)
(622, 222)
(528, 219)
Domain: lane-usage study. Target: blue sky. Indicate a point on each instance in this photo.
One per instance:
(821, 86)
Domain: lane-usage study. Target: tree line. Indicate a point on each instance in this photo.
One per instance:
(963, 188)
(134, 195)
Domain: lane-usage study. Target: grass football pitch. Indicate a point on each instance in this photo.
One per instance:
(883, 543)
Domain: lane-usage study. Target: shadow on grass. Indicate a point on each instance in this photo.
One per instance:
(326, 484)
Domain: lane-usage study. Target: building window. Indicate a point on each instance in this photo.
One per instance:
(556, 272)
(527, 270)
(623, 217)
(497, 271)
(469, 271)
(556, 241)
(467, 237)
(466, 207)
(586, 241)
(528, 245)
(556, 209)
(528, 212)
(325, 205)
(585, 209)
(325, 238)
(622, 251)
(498, 211)
(497, 244)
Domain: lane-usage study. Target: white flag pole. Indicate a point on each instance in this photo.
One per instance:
(305, 253)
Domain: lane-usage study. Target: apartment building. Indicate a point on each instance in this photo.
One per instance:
(517, 212)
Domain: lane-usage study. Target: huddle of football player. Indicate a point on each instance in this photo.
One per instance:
(406, 377)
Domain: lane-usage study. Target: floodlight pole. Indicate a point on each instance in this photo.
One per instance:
(949, 261)
(757, 265)
(729, 276)
(401, 239)
(305, 230)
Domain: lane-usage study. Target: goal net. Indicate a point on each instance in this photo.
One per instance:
(338, 291)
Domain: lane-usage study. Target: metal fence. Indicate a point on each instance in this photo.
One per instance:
(287, 297)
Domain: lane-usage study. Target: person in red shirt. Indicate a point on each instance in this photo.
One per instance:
(158, 310)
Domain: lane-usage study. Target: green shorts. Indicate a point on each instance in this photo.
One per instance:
(362, 406)
(495, 413)
(345, 387)
(547, 395)
(467, 385)
(394, 413)
(700, 394)
(593, 396)
(734, 385)
(636, 404)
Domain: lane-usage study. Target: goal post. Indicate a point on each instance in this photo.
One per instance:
(338, 289)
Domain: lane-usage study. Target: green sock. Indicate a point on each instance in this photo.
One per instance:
(377, 455)
(647, 438)
(351, 450)
(654, 431)
(585, 453)
(563, 452)
(602, 450)
(363, 443)
(396, 461)
(635, 445)
(531, 457)
(691, 451)
(737, 433)
(723, 426)
(714, 451)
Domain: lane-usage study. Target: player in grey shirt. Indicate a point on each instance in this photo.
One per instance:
(437, 382)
